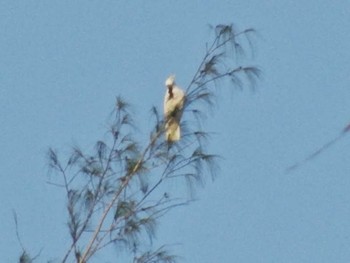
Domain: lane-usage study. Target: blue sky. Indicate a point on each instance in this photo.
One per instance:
(64, 62)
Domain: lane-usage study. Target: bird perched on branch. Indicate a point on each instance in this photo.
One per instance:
(173, 108)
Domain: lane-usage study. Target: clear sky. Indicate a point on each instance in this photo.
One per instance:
(62, 63)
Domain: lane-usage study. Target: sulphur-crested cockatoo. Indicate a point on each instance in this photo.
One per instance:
(173, 108)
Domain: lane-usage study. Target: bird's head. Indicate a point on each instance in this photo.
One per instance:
(170, 81)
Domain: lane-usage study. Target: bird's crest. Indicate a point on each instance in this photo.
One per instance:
(170, 80)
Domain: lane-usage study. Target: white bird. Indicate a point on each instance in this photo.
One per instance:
(173, 108)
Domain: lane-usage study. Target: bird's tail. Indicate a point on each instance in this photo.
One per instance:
(172, 131)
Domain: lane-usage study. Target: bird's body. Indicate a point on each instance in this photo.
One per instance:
(173, 108)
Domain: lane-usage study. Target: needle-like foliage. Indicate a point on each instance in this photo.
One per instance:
(116, 194)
